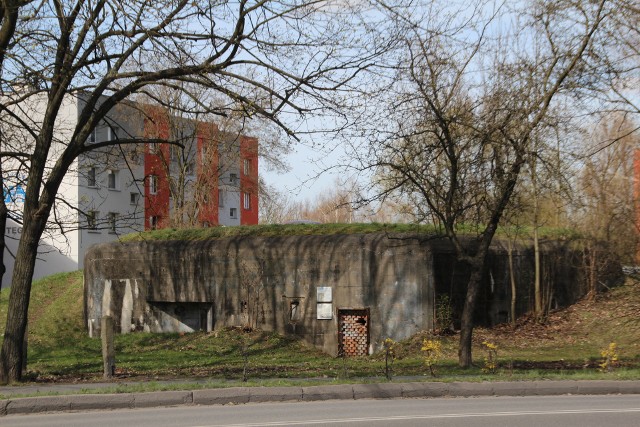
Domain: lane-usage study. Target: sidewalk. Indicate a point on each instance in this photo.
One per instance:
(238, 395)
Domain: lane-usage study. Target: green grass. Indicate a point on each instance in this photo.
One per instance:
(567, 347)
(278, 230)
(272, 230)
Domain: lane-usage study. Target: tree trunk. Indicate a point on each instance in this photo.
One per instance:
(537, 288)
(538, 310)
(466, 324)
(11, 355)
(3, 226)
(590, 264)
(512, 278)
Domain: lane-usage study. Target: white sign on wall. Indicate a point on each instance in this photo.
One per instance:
(323, 294)
(324, 310)
(324, 306)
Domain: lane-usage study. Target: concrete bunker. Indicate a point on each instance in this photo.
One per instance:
(341, 293)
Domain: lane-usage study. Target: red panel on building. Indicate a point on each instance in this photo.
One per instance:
(248, 180)
(206, 188)
(207, 173)
(156, 184)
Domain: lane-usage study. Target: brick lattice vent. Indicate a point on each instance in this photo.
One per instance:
(354, 334)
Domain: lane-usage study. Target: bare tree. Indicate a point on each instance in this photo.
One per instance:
(256, 58)
(606, 208)
(275, 206)
(337, 204)
(333, 205)
(462, 113)
(611, 68)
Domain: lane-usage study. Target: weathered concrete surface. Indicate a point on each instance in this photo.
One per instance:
(275, 283)
(275, 394)
(327, 392)
(377, 391)
(511, 388)
(224, 396)
(426, 389)
(238, 395)
(31, 405)
(162, 398)
(165, 286)
(102, 401)
(470, 389)
(550, 388)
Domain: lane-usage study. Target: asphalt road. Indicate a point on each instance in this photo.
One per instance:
(548, 411)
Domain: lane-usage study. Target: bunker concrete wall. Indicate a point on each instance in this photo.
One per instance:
(258, 281)
(283, 284)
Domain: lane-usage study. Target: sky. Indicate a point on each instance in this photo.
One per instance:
(305, 178)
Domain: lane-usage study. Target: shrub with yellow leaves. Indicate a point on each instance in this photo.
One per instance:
(433, 353)
(609, 358)
(491, 358)
(389, 356)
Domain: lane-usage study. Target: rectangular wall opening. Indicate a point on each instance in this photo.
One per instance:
(353, 332)
(183, 316)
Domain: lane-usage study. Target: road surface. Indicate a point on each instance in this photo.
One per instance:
(548, 411)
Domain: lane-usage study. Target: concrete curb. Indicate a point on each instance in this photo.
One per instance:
(240, 395)
(223, 396)
(377, 391)
(275, 394)
(327, 392)
(162, 398)
(86, 402)
(422, 390)
(31, 405)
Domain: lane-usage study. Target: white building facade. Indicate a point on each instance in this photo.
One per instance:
(209, 179)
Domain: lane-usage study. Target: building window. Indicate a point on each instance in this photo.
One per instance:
(153, 184)
(112, 179)
(233, 213)
(247, 201)
(174, 153)
(220, 198)
(294, 311)
(221, 164)
(91, 177)
(112, 219)
(153, 222)
(188, 168)
(134, 156)
(134, 197)
(233, 178)
(93, 136)
(247, 166)
(114, 133)
(92, 223)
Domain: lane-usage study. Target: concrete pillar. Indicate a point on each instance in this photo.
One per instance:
(108, 349)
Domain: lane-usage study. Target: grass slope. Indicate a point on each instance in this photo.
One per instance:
(273, 230)
(567, 346)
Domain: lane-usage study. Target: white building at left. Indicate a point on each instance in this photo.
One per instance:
(125, 188)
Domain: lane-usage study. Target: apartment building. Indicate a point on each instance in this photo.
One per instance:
(206, 177)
